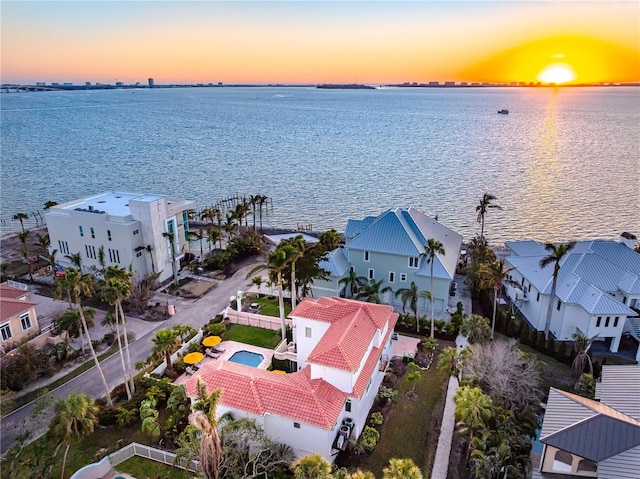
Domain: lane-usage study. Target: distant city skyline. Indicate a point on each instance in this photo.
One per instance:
(263, 42)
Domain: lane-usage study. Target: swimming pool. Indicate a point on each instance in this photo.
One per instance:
(247, 358)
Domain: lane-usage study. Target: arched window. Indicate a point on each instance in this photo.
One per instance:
(562, 461)
(585, 465)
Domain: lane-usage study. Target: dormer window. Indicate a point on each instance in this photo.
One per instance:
(413, 261)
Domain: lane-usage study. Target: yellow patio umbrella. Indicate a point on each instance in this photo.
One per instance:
(211, 341)
(279, 371)
(193, 358)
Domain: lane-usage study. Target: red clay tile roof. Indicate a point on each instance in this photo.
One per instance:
(295, 396)
(353, 325)
(7, 291)
(11, 307)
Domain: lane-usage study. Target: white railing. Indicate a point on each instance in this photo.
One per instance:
(285, 350)
(255, 320)
(17, 285)
(100, 469)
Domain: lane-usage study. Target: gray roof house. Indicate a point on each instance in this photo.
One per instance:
(588, 438)
(597, 293)
(389, 247)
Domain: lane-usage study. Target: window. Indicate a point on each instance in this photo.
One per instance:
(93, 232)
(135, 232)
(366, 256)
(562, 461)
(64, 247)
(371, 273)
(529, 288)
(347, 405)
(413, 261)
(392, 277)
(296, 425)
(558, 305)
(587, 465)
(598, 321)
(114, 255)
(81, 231)
(624, 300)
(25, 321)
(138, 254)
(5, 330)
(538, 296)
(91, 251)
(403, 276)
(307, 332)
(615, 321)
(109, 235)
(606, 322)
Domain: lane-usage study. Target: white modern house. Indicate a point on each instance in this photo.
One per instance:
(128, 227)
(599, 439)
(597, 292)
(390, 247)
(342, 350)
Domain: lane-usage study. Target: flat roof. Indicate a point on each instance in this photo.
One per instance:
(114, 203)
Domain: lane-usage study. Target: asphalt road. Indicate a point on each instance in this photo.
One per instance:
(196, 312)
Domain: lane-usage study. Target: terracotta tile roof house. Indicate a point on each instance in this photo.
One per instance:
(343, 349)
(18, 318)
(389, 247)
(583, 437)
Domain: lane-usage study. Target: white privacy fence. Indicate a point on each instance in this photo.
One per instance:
(255, 320)
(99, 469)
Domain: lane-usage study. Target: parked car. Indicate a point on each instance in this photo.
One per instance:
(453, 288)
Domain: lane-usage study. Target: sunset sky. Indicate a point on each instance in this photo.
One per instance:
(319, 42)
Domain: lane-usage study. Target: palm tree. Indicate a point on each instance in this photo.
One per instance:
(330, 240)
(371, 291)
(401, 469)
(432, 248)
(117, 287)
(299, 245)
(277, 260)
(101, 259)
(22, 236)
(49, 204)
(581, 346)
(197, 235)
(473, 410)
(556, 253)
(74, 418)
(76, 260)
(229, 226)
(213, 235)
(149, 250)
(21, 217)
(204, 418)
(165, 343)
(80, 285)
(485, 204)
(494, 275)
(410, 295)
(262, 200)
(171, 238)
(476, 328)
(451, 360)
(70, 322)
(313, 466)
(353, 282)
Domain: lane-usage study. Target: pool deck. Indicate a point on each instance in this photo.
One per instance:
(231, 347)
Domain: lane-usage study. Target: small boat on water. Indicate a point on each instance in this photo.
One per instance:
(503, 112)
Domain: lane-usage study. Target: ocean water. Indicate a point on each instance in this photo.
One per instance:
(564, 164)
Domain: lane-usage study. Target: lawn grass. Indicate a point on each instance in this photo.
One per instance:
(263, 338)
(270, 307)
(142, 468)
(412, 428)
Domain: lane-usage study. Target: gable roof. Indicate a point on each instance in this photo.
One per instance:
(587, 274)
(405, 232)
(603, 432)
(336, 263)
(619, 387)
(9, 292)
(295, 396)
(353, 326)
(12, 307)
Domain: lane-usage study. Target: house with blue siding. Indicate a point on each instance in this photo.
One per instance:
(390, 247)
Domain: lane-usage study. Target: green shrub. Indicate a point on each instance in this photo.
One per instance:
(376, 419)
(107, 416)
(216, 329)
(387, 394)
(193, 347)
(368, 439)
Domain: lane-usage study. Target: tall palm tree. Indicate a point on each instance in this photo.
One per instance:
(330, 239)
(371, 292)
(313, 466)
(213, 235)
(204, 420)
(101, 259)
(299, 245)
(473, 411)
(165, 343)
(76, 260)
(229, 226)
(21, 217)
(401, 469)
(556, 253)
(74, 418)
(262, 201)
(22, 236)
(277, 261)
(197, 235)
(70, 322)
(172, 247)
(80, 285)
(432, 248)
(581, 346)
(494, 275)
(149, 250)
(410, 295)
(353, 282)
(117, 287)
(484, 205)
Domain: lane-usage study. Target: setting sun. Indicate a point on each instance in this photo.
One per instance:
(557, 73)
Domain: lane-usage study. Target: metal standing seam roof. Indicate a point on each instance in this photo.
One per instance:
(620, 388)
(336, 263)
(604, 433)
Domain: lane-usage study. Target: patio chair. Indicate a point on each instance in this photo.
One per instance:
(217, 349)
(211, 354)
(189, 371)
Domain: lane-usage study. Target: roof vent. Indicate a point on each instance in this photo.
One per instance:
(90, 208)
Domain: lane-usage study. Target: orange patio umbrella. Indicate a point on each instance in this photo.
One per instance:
(279, 371)
(211, 341)
(193, 358)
